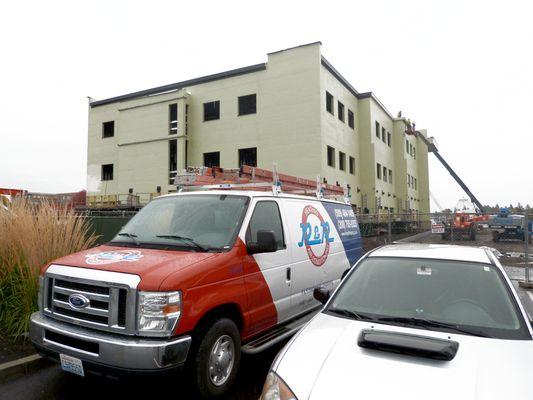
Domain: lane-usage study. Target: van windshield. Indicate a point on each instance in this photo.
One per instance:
(195, 222)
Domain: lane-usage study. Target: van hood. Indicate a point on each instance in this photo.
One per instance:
(151, 265)
(324, 361)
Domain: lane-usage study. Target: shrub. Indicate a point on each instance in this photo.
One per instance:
(31, 235)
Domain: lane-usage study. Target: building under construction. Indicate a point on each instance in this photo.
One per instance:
(295, 110)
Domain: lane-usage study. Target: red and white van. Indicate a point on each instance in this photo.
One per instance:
(195, 278)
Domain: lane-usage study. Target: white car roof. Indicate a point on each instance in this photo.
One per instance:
(435, 251)
(251, 193)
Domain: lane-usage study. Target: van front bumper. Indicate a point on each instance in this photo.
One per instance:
(110, 351)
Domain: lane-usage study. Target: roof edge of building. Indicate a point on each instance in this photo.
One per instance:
(295, 47)
(180, 85)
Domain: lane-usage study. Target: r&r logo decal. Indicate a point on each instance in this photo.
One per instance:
(316, 234)
(110, 257)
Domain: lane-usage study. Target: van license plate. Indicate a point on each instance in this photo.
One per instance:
(71, 364)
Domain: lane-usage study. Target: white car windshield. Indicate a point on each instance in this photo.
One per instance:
(452, 296)
(186, 222)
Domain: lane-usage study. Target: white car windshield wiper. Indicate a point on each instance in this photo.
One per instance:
(429, 323)
(350, 314)
(132, 236)
(196, 245)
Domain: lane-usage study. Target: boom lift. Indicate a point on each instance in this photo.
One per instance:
(463, 224)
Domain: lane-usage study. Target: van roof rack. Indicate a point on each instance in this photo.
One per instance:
(253, 178)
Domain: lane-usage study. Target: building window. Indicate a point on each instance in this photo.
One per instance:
(342, 161)
(352, 165)
(331, 156)
(407, 146)
(414, 152)
(248, 157)
(107, 172)
(186, 154)
(108, 129)
(186, 119)
(340, 111)
(212, 110)
(408, 180)
(416, 186)
(384, 174)
(410, 149)
(247, 104)
(389, 139)
(212, 159)
(329, 103)
(383, 135)
(172, 119)
(378, 170)
(172, 160)
(377, 129)
(351, 119)
(390, 176)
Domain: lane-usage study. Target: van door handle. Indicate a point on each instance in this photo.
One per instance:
(288, 272)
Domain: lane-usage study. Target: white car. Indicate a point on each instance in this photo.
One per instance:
(412, 322)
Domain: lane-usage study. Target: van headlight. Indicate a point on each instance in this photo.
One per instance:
(276, 389)
(158, 312)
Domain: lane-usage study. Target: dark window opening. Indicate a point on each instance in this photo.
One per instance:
(172, 119)
(352, 165)
(186, 153)
(389, 139)
(378, 169)
(186, 119)
(329, 102)
(377, 129)
(248, 104)
(384, 173)
(331, 156)
(108, 129)
(248, 157)
(212, 159)
(383, 134)
(172, 159)
(351, 119)
(107, 172)
(342, 161)
(212, 110)
(390, 176)
(340, 111)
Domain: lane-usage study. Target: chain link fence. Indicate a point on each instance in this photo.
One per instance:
(510, 234)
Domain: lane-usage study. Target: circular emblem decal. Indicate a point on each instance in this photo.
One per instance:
(111, 257)
(315, 235)
(78, 301)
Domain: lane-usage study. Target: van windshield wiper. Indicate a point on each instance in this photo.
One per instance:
(195, 244)
(349, 313)
(132, 236)
(430, 323)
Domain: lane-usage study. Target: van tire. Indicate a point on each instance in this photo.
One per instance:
(223, 333)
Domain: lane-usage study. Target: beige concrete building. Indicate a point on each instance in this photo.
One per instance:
(295, 110)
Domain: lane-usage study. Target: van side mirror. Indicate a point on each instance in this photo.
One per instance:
(266, 243)
(321, 294)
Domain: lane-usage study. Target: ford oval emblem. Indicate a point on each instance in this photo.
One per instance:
(78, 301)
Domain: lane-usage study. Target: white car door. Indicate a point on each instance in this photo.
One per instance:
(267, 214)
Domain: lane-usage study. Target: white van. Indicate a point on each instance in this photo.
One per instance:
(195, 278)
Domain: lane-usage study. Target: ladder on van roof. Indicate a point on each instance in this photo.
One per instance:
(253, 178)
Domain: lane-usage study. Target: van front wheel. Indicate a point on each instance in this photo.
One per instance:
(217, 359)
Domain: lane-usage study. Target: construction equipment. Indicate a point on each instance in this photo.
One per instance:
(509, 226)
(463, 225)
(432, 148)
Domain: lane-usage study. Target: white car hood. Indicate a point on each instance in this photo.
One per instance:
(324, 362)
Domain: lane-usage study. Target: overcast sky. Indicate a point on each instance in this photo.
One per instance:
(463, 70)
